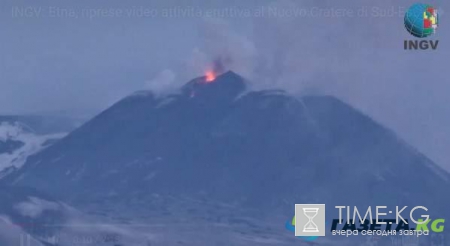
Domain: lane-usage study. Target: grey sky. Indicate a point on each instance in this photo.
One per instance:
(73, 56)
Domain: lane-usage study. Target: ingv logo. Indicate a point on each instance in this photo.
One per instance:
(290, 225)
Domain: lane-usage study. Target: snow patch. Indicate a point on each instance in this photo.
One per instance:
(150, 176)
(141, 93)
(439, 172)
(166, 101)
(32, 144)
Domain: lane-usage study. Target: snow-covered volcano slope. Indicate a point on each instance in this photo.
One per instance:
(19, 140)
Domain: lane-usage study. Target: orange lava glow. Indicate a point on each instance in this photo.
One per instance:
(210, 76)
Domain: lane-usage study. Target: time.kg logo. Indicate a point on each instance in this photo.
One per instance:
(310, 220)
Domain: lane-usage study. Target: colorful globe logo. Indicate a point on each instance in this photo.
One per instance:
(421, 20)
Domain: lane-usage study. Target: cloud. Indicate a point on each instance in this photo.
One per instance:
(163, 82)
(35, 207)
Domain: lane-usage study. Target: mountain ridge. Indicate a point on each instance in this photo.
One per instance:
(259, 149)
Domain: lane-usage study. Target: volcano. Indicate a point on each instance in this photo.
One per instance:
(220, 143)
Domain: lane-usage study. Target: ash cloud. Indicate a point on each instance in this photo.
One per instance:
(163, 82)
(220, 64)
(222, 49)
